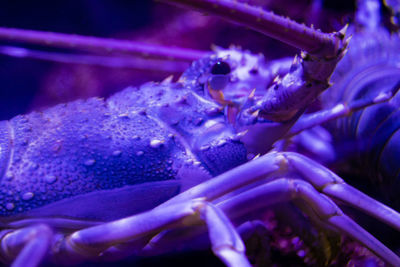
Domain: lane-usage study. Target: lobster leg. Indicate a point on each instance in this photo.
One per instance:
(330, 184)
(317, 205)
(340, 110)
(193, 208)
(30, 244)
(288, 164)
(309, 137)
(226, 243)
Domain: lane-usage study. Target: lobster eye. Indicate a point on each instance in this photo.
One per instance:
(220, 68)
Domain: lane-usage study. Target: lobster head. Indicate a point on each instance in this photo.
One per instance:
(239, 82)
(260, 98)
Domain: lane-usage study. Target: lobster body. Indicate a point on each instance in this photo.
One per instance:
(140, 135)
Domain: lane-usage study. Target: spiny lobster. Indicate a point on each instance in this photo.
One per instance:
(214, 102)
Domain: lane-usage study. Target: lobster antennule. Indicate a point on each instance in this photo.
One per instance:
(99, 45)
(283, 29)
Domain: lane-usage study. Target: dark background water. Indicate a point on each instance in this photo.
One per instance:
(23, 79)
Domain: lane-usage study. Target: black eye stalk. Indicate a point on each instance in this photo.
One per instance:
(220, 68)
(218, 80)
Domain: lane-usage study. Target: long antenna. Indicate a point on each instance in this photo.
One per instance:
(298, 35)
(100, 45)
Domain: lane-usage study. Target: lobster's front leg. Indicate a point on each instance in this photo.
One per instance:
(288, 167)
(288, 163)
(316, 187)
(29, 245)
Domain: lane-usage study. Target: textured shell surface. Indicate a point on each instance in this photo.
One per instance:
(152, 133)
